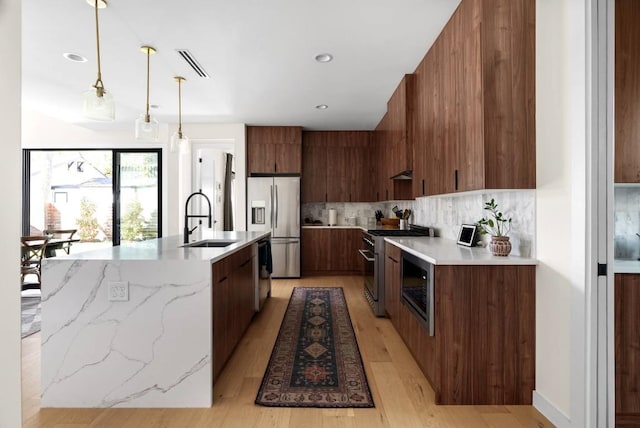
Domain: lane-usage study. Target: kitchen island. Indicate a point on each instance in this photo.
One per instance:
(132, 325)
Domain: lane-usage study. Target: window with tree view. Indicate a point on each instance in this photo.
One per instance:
(78, 189)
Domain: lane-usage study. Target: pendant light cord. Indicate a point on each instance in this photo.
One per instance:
(147, 118)
(179, 107)
(98, 85)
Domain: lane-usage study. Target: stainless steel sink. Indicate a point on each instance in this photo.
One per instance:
(212, 243)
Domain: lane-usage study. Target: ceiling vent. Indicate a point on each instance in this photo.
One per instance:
(188, 57)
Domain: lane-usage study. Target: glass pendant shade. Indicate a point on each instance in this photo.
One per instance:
(180, 143)
(147, 128)
(99, 108)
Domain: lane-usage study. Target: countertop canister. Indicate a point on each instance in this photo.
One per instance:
(333, 217)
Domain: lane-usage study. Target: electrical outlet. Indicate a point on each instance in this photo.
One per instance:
(118, 291)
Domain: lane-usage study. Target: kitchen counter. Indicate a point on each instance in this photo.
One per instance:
(626, 266)
(171, 248)
(345, 226)
(151, 348)
(440, 251)
(326, 226)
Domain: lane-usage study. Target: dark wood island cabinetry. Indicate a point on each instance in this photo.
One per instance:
(233, 303)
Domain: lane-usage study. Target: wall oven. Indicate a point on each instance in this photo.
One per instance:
(418, 291)
(367, 252)
(373, 252)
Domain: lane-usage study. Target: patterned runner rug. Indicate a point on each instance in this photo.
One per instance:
(315, 361)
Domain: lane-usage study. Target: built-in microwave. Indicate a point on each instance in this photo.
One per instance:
(418, 291)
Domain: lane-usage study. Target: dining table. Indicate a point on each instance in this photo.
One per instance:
(57, 244)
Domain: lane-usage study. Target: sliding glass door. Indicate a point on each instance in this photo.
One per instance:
(109, 196)
(138, 199)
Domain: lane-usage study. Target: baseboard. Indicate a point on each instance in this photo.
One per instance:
(549, 411)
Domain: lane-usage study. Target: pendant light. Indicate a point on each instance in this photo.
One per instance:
(147, 128)
(178, 140)
(98, 104)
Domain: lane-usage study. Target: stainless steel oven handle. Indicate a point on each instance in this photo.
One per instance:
(368, 242)
(367, 258)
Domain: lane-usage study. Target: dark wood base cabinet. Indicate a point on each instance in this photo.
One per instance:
(326, 251)
(233, 303)
(627, 349)
(483, 351)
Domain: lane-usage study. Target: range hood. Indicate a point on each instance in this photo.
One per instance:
(404, 175)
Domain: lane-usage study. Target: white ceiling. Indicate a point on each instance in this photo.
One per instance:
(259, 54)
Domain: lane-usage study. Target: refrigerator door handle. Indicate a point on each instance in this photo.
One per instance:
(272, 207)
(277, 207)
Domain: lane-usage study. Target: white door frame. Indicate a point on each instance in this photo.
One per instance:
(600, 364)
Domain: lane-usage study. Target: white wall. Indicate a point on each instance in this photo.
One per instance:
(10, 88)
(561, 210)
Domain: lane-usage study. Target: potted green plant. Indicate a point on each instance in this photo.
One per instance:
(498, 226)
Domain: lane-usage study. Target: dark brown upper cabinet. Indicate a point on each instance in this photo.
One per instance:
(627, 92)
(392, 153)
(274, 149)
(400, 114)
(381, 141)
(474, 122)
(337, 166)
(314, 166)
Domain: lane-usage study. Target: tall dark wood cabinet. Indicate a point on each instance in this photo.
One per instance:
(383, 184)
(627, 349)
(314, 167)
(627, 91)
(475, 101)
(394, 143)
(274, 149)
(400, 113)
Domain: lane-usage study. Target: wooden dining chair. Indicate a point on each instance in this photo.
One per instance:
(33, 248)
(61, 234)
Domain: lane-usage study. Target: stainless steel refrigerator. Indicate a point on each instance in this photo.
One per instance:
(273, 204)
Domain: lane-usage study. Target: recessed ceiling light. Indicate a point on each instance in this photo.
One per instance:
(74, 57)
(322, 106)
(101, 3)
(324, 57)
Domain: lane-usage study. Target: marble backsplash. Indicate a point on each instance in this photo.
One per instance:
(626, 223)
(444, 213)
(349, 213)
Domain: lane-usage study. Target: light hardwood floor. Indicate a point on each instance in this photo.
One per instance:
(402, 395)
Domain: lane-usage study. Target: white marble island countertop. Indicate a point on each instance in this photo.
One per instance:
(148, 347)
(171, 248)
(440, 251)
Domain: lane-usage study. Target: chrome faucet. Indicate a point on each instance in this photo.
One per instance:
(187, 216)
